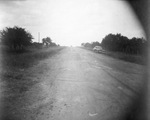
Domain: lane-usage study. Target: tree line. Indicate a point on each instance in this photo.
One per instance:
(91, 45)
(120, 43)
(18, 38)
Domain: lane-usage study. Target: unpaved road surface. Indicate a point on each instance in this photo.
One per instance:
(76, 84)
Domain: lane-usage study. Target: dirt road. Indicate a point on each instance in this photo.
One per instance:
(77, 84)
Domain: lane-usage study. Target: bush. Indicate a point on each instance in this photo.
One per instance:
(15, 38)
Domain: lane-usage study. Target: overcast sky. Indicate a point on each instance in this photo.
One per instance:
(71, 22)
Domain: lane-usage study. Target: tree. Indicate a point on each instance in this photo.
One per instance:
(121, 43)
(91, 45)
(95, 44)
(15, 38)
(46, 41)
(87, 45)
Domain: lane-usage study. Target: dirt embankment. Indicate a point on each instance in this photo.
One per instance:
(18, 74)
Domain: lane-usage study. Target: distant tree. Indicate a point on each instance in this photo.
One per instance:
(95, 44)
(82, 44)
(53, 44)
(48, 39)
(15, 38)
(48, 42)
(37, 44)
(87, 45)
(91, 45)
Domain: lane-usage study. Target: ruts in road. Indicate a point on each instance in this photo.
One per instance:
(78, 84)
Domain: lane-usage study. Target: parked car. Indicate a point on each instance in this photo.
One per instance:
(98, 48)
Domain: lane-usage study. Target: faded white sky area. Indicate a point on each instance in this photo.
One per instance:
(71, 22)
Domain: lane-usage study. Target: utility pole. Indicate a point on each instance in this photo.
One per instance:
(39, 37)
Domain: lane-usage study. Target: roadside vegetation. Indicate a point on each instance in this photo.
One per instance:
(16, 67)
(19, 73)
(120, 47)
(16, 38)
(18, 55)
(19, 52)
(28, 58)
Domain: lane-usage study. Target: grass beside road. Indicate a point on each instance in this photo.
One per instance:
(19, 73)
(138, 59)
(28, 58)
(16, 68)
